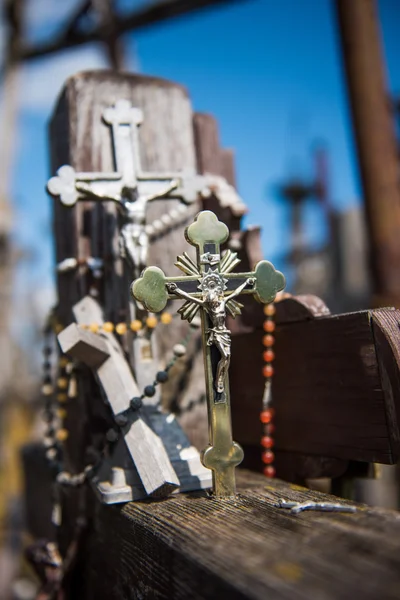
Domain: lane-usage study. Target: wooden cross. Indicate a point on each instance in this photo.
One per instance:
(210, 285)
(128, 185)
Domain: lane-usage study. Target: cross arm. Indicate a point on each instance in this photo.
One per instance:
(151, 289)
(263, 283)
(84, 345)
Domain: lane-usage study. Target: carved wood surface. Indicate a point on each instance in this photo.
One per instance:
(192, 546)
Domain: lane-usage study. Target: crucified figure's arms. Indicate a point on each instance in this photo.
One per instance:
(173, 289)
(240, 289)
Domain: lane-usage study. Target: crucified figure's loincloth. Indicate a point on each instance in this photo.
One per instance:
(221, 338)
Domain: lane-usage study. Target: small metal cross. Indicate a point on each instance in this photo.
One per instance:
(210, 285)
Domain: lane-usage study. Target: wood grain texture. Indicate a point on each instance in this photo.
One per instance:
(192, 546)
(335, 388)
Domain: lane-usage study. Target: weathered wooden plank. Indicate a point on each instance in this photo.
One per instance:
(335, 388)
(38, 489)
(193, 546)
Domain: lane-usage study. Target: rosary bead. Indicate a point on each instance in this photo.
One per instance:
(158, 226)
(61, 397)
(47, 379)
(111, 435)
(266, 416)
(136, 325)
(267, 441)
(268, 340)
(46, 365)
(269, 326)
(174, 214)
(268, 457)
(149, 391)
(269, 471)
(62, 383)
(268, 370)
(58, 327)
(162, 376)
(94, 327)
(62, 435)
(120, 328)
(151, 322)
(269, 355)
(149, 229)
(179, 350)
(48, 442)
(166, 318)
(121, 420)
(108, 327)
(269, 310)
(47, 389)
(235, 244)
(136, 403)
(47, 351)
(51, 454)
(166, 220)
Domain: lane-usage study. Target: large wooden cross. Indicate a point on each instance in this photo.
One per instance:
(210, 285)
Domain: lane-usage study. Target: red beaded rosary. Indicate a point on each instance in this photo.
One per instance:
(267, 413)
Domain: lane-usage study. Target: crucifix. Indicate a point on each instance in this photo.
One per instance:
(209, 285)
(129, 186)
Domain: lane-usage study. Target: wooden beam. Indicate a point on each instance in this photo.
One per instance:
(374, 130)
(192, 546)
(335, 388)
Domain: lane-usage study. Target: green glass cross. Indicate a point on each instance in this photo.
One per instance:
(210, 286)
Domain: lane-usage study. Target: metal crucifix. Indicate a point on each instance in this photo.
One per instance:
(129, 186)
(211, 287)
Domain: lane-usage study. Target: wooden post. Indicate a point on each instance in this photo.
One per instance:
(375, 140)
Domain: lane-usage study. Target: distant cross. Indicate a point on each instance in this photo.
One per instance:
(211, 287)
(128, 186)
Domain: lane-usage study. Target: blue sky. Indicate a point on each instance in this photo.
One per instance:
(270, 72)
